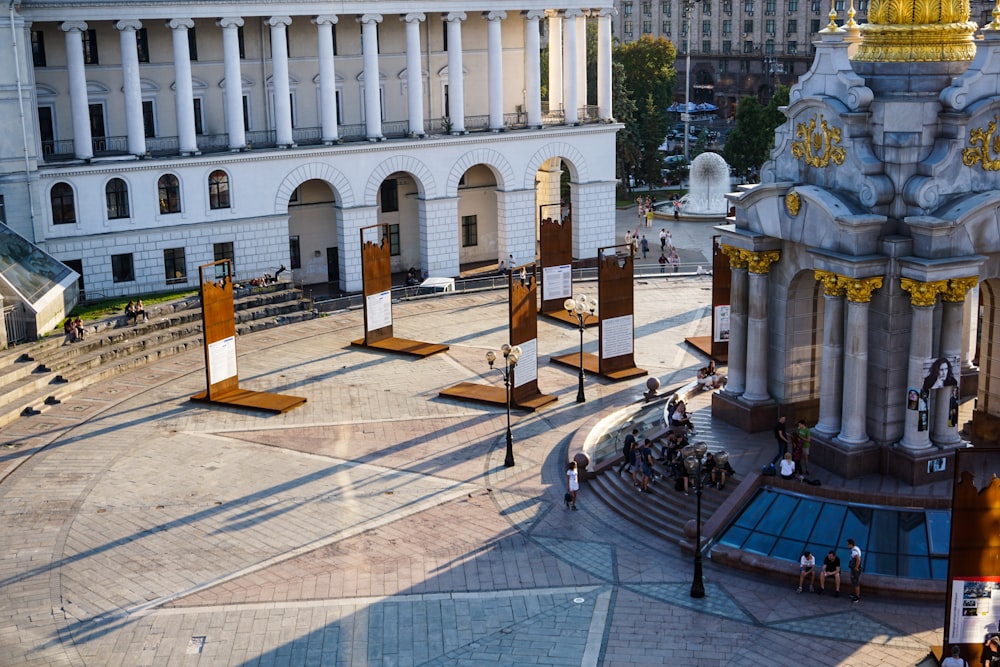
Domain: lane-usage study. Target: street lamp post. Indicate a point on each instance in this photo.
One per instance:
(510, 359)
(694, 459)
(688, 5)
(581, 308)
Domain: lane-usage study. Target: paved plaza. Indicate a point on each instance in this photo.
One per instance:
(377, 525)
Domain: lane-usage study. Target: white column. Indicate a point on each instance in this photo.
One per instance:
(516, 213)
(854, 418)
(756, 379)
(349, 224)
(83, 144)
(327, 77)
(555, 23)
(571, 102)
(604, 101)
(372, 94)
(970, 324)
(923, 298)
(593, 204)
(134, 127)
(736, 383)
(183, 92)
(234, 81)
(456, 79)
(439, 234)
(532, 69)
(494, 55)
(949, 346)
(279, 80)
(414, 74)
(581, 59)
(831, 379)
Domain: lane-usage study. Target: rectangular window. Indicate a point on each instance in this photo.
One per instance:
(793, 6)
(727, 7)
(748, 7)
(863, 8)
(747, 27)
(470, 234)
(333, 34)
(706, 8)
(723, 66)
(706, 46)
(744, 66)
(839, 5)
(394, 247)
(665, 29)
(390, 196)
(242, 42)
(121, 268)
(793, 27)
(727, 47)
(647, 27)
(814, 26)
(444, 35)
(246, 112)
(769, 26)
(199, 120)
(706, 27)
(647, 7)
(174, 267)
(727, 27)
(38, 48)
(815, 6)
(223, 251)
(793, 48)
(294, 254)
(627, 8)
(46, 130)
(769, 7)
(90, 47)
(148, 118)
(192, 45)
(627, 27)
(142, 45)
(748, 47)
(666, 9)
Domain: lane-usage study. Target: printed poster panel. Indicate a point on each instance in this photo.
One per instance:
(721, 327)
(527, 366)
(975, 609)
(616, 336)
(941, 372)
(379, 310)
(221, 360)
(557, 282)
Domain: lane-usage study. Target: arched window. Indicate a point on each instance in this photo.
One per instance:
(63, 204)
(170, 194)
(116, 197)
(218, 189)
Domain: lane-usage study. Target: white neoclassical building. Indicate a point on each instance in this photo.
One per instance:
(143, 139)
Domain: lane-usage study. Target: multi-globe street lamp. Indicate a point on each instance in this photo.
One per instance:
(581, 308)
(694, 461)
(511, 355)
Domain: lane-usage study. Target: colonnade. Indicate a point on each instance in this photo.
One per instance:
(568, 52)
(844, 365)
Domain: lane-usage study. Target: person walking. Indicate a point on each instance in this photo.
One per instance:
(628, 452)
(854, 565)
(572, 484)
(663, 240)
(781, 436)
(663, 262)
(644, 244)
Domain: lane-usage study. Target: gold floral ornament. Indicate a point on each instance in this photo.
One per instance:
(957, 288)
(859, 290)
(817, 143)
(760, 262)
(737, 257)
(793, 202)
(985, 144)
(923, 294)
(833, 284)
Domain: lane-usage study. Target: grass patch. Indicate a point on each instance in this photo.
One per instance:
(100, 310)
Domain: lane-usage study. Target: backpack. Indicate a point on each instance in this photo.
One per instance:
(768, 470)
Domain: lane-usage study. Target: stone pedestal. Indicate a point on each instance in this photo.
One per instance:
(750, 417)
(919, 467)
(847, 461)
(983, 429)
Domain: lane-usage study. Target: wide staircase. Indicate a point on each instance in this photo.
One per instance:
(35, 376)
(666, 511)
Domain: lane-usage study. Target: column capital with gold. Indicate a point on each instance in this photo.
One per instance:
(957, 289)
(760, 262)
(738, 257)
(833, 284)
(859, 290)
(923, 294)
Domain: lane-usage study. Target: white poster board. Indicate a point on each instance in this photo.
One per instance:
(975, 609)
(721, 324)
(557, 282)
(616, 336)
(221, 360)
(378, 308)
(527, 366)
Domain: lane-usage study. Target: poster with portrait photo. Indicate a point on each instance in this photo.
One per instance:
(912, 398)
(941, 372)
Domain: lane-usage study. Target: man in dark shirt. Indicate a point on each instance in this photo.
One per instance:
(831, 568)
(628, 452)
(781, 435)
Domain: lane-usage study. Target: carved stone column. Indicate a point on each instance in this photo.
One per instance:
(83, 144)
(571, 103)
(183, 89)
(456, 77)
(234, 81)
(604, 63)
(759, 266)
(555, 25)
(854, 417)
(131, 87)
(494, 56)
(944, 431)
(831, 383)
(372, 82)
(532, 69)
(923, 297)
(327, 77)
(279, 79)
(736, 383)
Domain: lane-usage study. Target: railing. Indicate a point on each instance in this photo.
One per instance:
(14, 323)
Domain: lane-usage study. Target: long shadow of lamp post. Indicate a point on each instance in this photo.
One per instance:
(694, 460)
(510, 358)
(581, 308)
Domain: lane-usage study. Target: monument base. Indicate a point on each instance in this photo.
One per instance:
(752, 418)
(922, 466)
(847, 460)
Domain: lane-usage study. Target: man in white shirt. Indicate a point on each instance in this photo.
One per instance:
(854, 564)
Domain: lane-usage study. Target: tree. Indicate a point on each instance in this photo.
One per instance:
(750, 142)
(627, 153)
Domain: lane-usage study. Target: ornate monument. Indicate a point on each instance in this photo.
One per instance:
(859, 260)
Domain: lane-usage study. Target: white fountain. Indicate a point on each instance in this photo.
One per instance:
(710, 182)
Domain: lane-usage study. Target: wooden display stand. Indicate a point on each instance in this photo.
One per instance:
(615, 314)
(219, 324)
(974, 554)
(716, 346)
(556, 261)
(523, 323)
(376, 277)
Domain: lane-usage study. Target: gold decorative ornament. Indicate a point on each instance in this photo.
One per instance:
(793, 202)
(859, 290)
(760, 262)
(984, 143)
(817, 143)
(917, 31)
(957, 289)
(923, 294)
(737, 260)
(833, 284)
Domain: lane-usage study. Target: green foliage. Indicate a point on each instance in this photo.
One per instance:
(750, 142)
